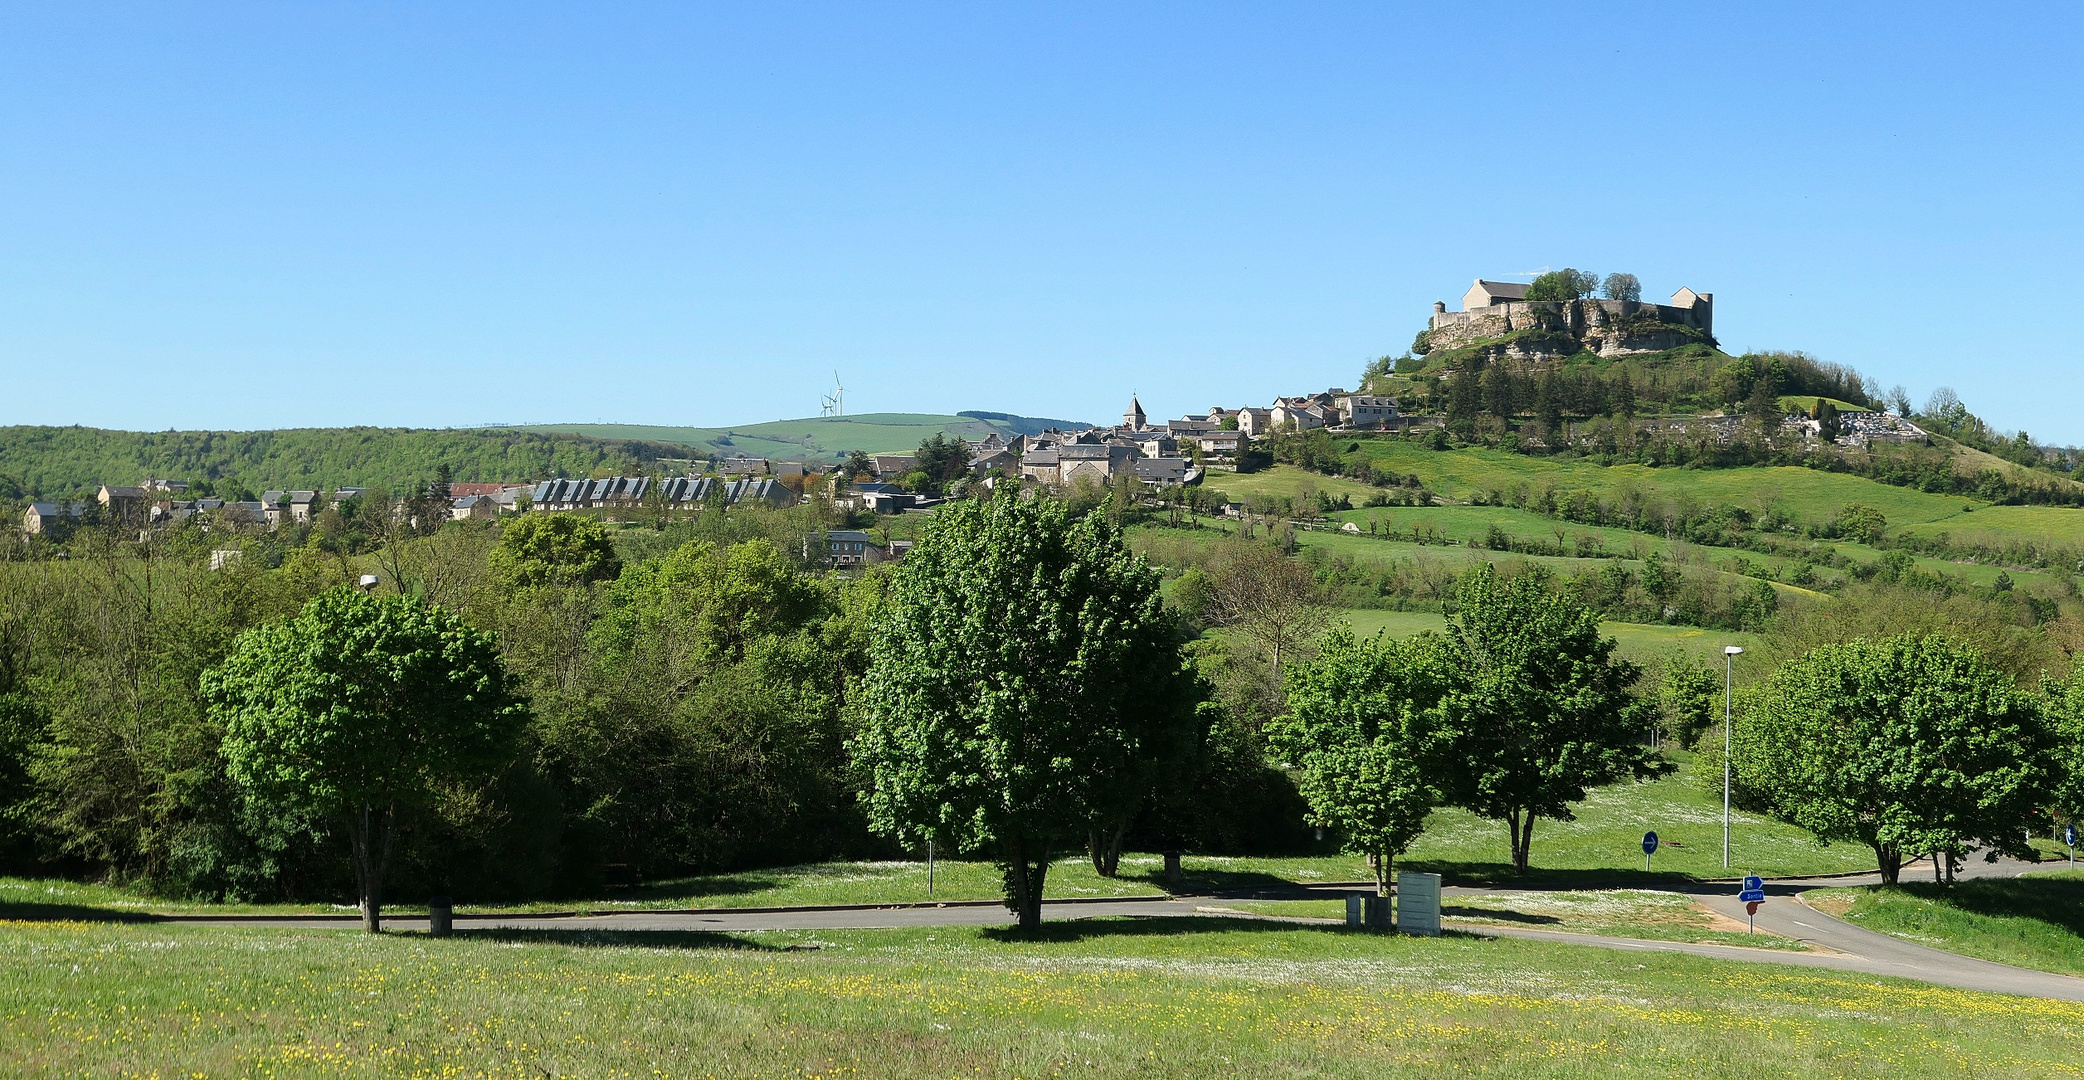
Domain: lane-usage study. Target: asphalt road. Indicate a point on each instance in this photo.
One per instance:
(1841, 946)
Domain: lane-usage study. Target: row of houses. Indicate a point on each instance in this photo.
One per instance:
(625, 492)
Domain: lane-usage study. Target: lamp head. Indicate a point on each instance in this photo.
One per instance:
(1732, 650)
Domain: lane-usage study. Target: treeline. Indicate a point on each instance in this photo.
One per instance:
(64, 462)
(1692, 378)
(690, 693)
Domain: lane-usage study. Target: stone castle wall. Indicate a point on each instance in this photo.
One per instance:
(1609, 327)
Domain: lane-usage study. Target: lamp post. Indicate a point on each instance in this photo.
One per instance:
(1729, 660)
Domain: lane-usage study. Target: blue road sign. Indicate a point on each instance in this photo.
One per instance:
(2069, 835)
(1754, 888)
(1650, 842)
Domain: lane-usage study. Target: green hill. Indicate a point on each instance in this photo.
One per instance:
(57, 462)
(814, 437)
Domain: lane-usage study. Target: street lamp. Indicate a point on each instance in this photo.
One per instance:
(1729, 660)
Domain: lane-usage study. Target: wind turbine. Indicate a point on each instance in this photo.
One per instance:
(833, 403)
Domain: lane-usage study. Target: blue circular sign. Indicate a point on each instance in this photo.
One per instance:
(1650, 843)
(2069, 835)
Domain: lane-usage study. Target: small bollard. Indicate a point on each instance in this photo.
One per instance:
(441, 916)
(1378, 912)
(1353, 910)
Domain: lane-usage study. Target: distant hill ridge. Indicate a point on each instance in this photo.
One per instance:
(40, 461)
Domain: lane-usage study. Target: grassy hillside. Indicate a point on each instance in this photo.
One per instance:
(813, 436)
(58, 461)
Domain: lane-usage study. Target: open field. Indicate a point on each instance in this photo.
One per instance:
(2034, 921)
(1648, 914)
(1638, 640)
(1173, 997)
(1805, 494)
(1997, 525)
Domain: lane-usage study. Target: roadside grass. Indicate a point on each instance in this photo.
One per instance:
(1647, 914)
(1102, 998)
(2033, 921)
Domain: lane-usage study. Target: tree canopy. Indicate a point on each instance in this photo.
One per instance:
(1540, 712)
(1907, 744)
(355, 709)
(1027, 685)
(537, 549)
(1564, 284)
(1360, 734)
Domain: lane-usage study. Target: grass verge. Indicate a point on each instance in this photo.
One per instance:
(2035, 921)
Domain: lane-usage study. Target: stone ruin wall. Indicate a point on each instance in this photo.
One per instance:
(1593, 322)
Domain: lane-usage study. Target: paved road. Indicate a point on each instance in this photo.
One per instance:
(1841, 946)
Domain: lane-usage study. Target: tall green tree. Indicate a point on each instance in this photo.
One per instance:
(543, 549)
(356, 709)
(1359, 734)
(1026, 680)
(1907, 744)
(1540, 712)
(2066, 729)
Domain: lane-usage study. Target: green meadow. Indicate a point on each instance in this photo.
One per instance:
(1182, 997)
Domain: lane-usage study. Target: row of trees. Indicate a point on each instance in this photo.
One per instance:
(1516, 713)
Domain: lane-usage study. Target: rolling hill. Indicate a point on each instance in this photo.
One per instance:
(817, 437)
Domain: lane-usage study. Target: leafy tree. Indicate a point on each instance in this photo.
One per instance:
(1621, 287)
(1906, 744)
(1358, 733)
(1027, 687)
(942, 459)
(1763, 404)
(1689, 697)
(1564, 284)
(542, 549)
(1540, 712)
(1864, 524)
(1826, 416)
(1272, 600)
(2066, 726)
(857, 465)
(356, 709)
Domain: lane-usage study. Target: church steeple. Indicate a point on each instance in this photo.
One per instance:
(1134, 418)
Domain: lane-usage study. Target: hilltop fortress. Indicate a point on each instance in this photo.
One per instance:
(1498, 313)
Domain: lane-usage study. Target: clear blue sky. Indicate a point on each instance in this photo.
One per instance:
(275, 215)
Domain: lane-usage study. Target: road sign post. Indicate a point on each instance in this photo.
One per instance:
(1753, 894)
(2069, 836)
(1649, 848)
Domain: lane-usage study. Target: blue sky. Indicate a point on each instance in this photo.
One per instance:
(275, 215)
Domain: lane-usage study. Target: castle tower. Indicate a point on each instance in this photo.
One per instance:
(1134, 418)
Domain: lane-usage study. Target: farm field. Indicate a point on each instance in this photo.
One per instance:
(2034, 921)
(1806, 494)
(1638, 640)
(1165, 998)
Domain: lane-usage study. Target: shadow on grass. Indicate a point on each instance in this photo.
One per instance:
(694, 940)
(699, 888)
(1454, 911)
(2056, 900)
(1161, 926)
(30, 912)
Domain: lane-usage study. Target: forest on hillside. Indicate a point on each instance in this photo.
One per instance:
(64, 462)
